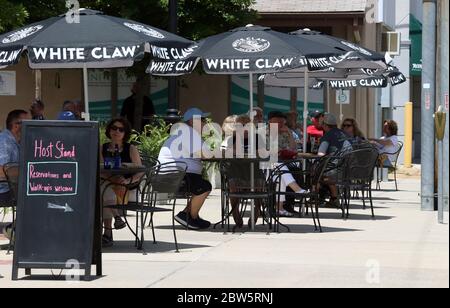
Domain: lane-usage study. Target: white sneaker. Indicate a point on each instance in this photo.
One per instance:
(302, 192)
(284, 213)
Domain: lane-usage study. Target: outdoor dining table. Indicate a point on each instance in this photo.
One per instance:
(247, 159)
(107, 175)
(307, 157)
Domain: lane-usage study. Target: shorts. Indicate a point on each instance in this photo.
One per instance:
(6, 198)
(195, 184)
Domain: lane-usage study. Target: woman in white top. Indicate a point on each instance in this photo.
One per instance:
(388, 144)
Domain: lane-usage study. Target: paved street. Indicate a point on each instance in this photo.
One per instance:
(403, 247)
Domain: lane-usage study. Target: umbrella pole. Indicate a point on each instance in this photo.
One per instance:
(305, 113)
(252, 151)
(341, 112)
(86, 115)
(38, 84)
(328, 97)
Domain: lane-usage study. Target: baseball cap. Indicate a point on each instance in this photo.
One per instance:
(194, 112)
(67, 116)
(316, 114)
(330, 119)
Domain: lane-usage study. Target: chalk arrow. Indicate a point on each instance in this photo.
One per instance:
(66, 208)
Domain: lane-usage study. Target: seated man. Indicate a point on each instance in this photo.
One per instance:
(315, 131)
(191, 152)
(334, 142)
(9, 153)
(9, 147)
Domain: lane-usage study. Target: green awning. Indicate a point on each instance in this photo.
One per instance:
(415, 32)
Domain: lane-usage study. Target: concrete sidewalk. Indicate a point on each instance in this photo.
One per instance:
(403, 247)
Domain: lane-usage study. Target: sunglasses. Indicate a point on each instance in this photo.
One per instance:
(118, 129)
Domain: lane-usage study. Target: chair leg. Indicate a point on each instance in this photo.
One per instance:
(342, 203)
(349, 194)
(371, 201)
(395, 178)
(222, 205)
(318, 216)
(378, 187)
(142, 234)
(13, 232)
(312, 211)
(363, 193)
(177, 250)
(153, 229)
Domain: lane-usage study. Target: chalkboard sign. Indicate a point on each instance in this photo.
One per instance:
(58, 211)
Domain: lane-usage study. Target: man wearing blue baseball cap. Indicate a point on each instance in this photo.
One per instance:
(68, 112)
(188, 136)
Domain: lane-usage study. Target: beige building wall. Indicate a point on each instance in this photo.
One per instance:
(362, 101)
(211, 93)
(57, 86)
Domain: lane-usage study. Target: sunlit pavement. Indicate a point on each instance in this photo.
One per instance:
(403, 247)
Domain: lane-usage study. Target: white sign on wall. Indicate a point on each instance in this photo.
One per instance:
(343, 97)
(7, 83)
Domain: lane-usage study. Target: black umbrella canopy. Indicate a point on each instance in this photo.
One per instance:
(262, 50)
(361, 57)
(256, 49)
(96, 41)
(336, 78)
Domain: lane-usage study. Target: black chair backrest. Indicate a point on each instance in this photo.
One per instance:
(167, 178)
(360, 164)
(400, 146)
(319, 168)
(235, 169)
(11, 171)
(149, 162)
(363, 145)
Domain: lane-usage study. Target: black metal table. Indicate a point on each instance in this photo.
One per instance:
(107, 175)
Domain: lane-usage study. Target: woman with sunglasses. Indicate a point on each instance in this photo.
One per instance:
(351, 128)
(119, 132)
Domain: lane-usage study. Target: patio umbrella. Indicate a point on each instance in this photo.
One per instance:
(338, 79)
(96, 41)
(361, 62)
(256, 50)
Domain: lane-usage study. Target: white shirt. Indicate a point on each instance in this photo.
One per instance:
(390, 148)
(184, 145)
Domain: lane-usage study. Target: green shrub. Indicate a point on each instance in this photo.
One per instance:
(151, 140)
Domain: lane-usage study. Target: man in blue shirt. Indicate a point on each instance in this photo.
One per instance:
(9, 147)
(335, 142)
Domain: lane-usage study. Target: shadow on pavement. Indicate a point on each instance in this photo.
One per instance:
(338, 215)
(298, 228)
(159, 247)
(58, 277)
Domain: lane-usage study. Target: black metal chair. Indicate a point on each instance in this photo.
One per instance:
(232, 170)
(357, 174)
(313, 176)
(137, 188)
(149, 161)
(161, 179)
(11, 172)
(392, 166)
